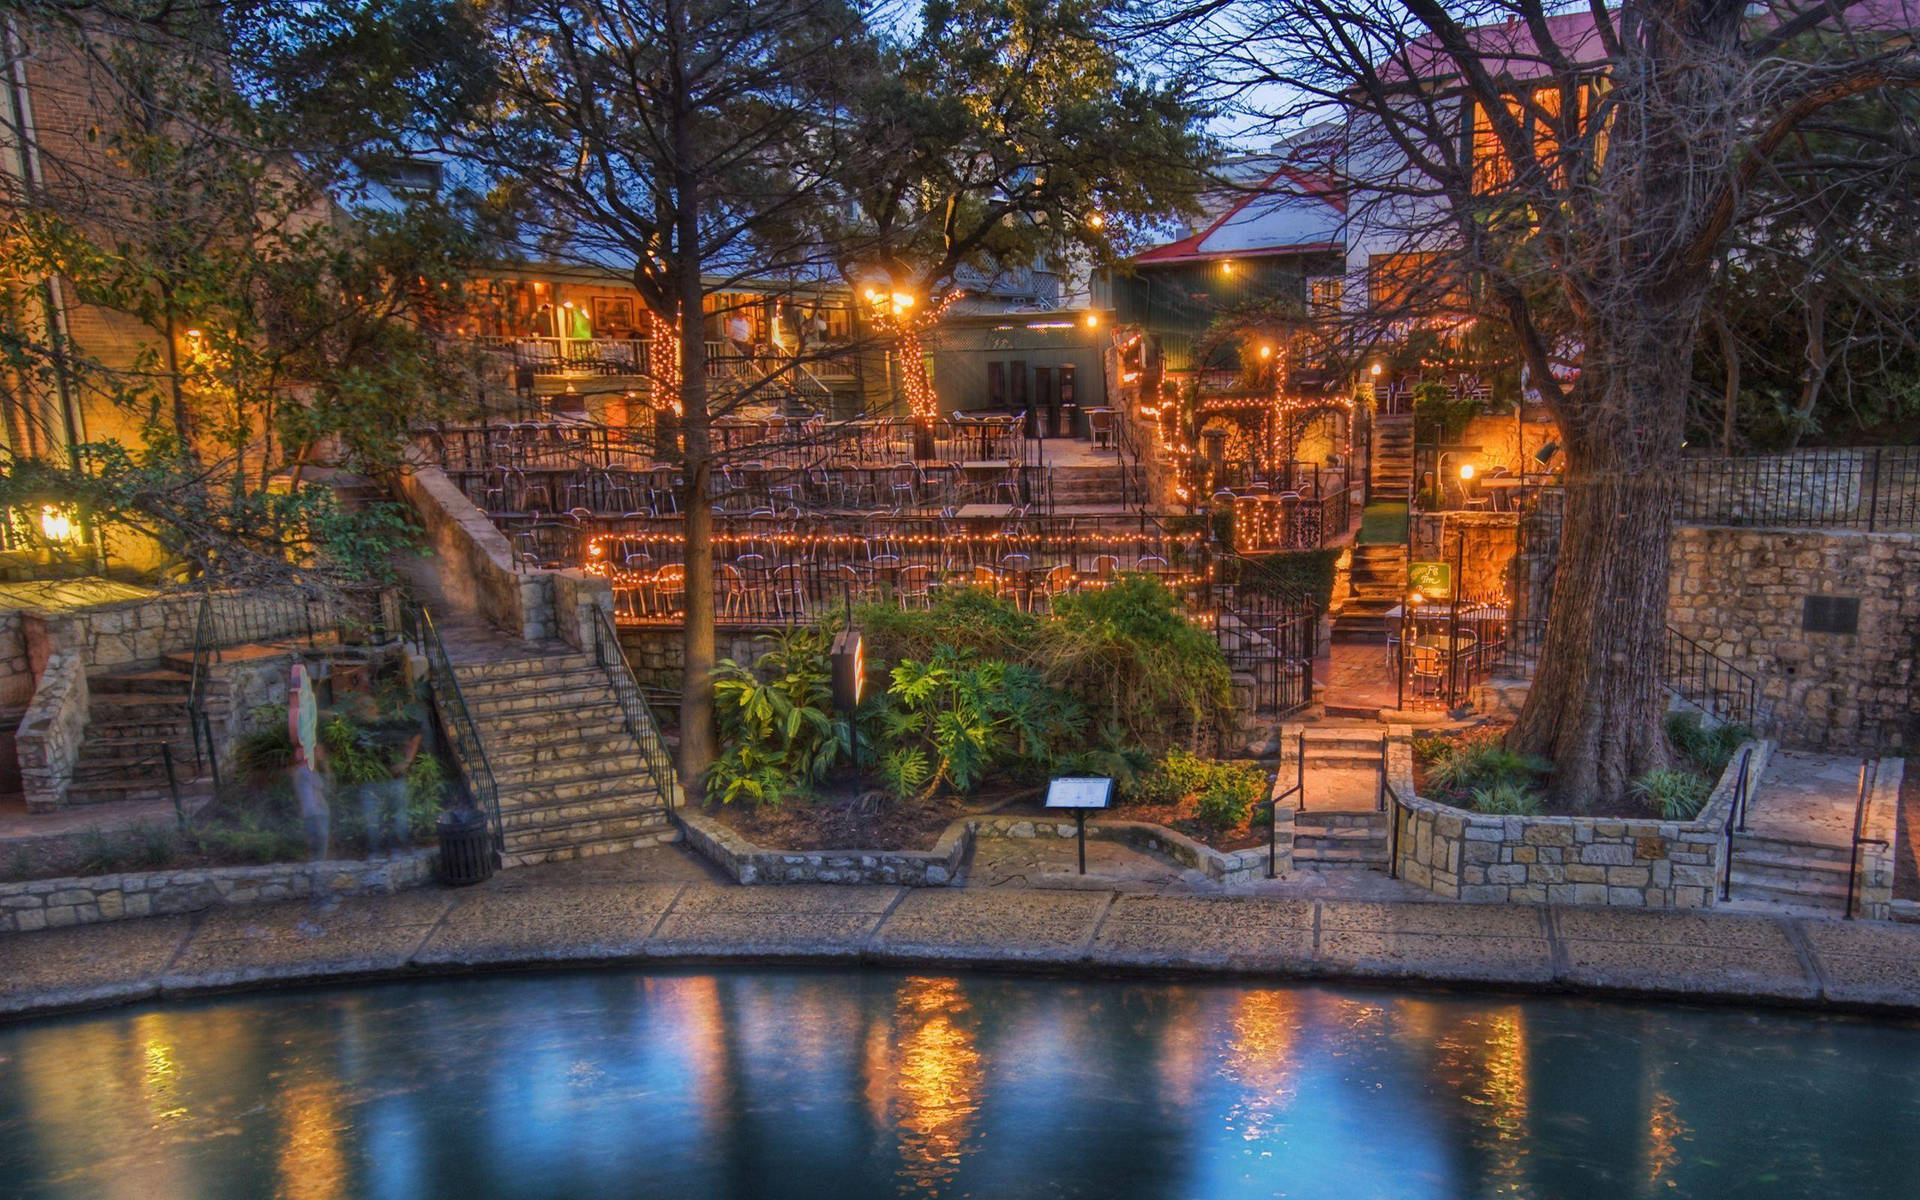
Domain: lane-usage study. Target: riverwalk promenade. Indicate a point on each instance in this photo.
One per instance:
(663, 908)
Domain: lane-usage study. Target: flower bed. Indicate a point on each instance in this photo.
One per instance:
(1636, 862)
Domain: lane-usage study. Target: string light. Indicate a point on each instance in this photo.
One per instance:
(898, 316)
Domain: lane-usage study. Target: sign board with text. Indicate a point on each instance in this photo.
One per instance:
(1085, 791)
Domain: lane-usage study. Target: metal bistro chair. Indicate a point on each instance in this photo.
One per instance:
(1058, 581)
(1429, 670)
(1100, 426)
(789, 588)
(735, 599)
(915, 586)
(669, 588)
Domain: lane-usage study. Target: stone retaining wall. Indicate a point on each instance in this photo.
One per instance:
(744, 862)
(1741, 594)
(1561, 860)
(477, 574)
(50, 733)
(85, 900)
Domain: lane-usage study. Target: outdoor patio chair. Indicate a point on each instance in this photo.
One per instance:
(789, 588)
(668, 588)
(915, 586)
(1429, 670)
(1100, 427)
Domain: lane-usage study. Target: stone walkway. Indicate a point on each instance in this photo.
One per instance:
(662, 906)
(1807, 798)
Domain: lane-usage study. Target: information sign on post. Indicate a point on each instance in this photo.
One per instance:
(1082, 794)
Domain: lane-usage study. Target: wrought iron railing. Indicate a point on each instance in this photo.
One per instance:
(1872, 488)
(1710, 683)
(633, 704)
(456, 724)
(1869, 777)
(1297, 793)
(1736, 820)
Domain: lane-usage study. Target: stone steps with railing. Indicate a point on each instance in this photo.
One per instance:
(1340, 839)
(572, 780)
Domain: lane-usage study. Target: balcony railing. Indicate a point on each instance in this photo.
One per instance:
(628, 356)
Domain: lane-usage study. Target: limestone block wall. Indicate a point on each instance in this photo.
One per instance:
(86, 900)
(476, 572)
(1561, 860)
(1741, 593)
(49, 737)
(474, 563)
(1485, 548)
(658, 656)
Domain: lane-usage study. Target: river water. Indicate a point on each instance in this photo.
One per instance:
(847, 1085)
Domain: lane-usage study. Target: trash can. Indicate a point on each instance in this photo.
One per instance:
(466, 847)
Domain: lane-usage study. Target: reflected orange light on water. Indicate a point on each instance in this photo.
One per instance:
(924, 1077)
(1260, 1057)
(310, 1161)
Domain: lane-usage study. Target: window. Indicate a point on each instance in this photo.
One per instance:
(1323, 296)
(1399, 281)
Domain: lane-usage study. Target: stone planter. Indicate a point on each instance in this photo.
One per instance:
(1636, 863)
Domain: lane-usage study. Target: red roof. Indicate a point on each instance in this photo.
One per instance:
(1187, 249)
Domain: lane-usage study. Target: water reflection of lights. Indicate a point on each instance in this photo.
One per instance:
(1483, 1060)
(1665, 1132)
(1260, 1057)
(924, 1078)
(312, 1166)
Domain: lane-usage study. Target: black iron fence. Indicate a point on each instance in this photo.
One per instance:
(633, 705)
(1710, 683)
(1872, 488)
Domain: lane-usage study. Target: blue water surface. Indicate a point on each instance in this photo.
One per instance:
(849, 1085)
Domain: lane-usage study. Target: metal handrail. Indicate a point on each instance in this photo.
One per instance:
(633, 706)
(1869, 775)
(1737, 811)
(1298, 791)
(197, 678)
(457, 721)
(1393, 804)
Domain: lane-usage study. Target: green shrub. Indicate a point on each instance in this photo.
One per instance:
(1506, 798)
(269, 747)
(1676, 795)
(966, 618)
(1223, 792)
(1303, 573)
(1482, 763)
(946, 722)
(1231, 791)
(1709, 749)
(776, 721)
(1128, 654)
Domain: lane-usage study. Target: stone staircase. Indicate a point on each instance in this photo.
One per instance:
(571, 778)
(1340, 839)
(1770, 872)
(1086, 487)
(1376, 583)
(1340, 827)
(1390, 465)
(131, 715)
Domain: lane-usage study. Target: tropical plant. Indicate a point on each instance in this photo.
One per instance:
(1484, 762)
(965, 618)
(1709, 749)
(1677, 795)
(1223, 792)
(1128, 653)
(1506, 798)
(777, 722)
(943, 721)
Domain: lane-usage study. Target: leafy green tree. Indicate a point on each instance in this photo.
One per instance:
(278, 331)
(776, 722)
(1000, 135)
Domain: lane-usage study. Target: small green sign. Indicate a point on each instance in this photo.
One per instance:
(1430, 578)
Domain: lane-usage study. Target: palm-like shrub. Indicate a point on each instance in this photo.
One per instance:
(776, 722)
(945, 722)
(1676, 795)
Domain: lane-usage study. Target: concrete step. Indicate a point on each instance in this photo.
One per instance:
(113, 791)
(579, 789)
(1317, 820)
(594, 849)
(553, 772)
(1360, 859)
(506, 726)
(140, 683)
(623, 805)
(1789, 870)
(523, 668)
(1821, 899)
(560, 831)
(135, 706)
(546, 683)
(535, 699)
(1746, 845)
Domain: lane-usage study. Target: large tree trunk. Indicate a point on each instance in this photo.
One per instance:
(1597, 704)
(697, 742)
